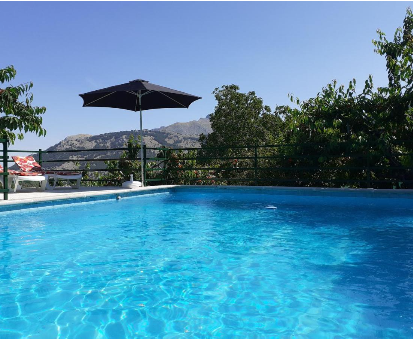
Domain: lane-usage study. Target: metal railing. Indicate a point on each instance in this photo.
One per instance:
(41, 156)
(373, 165)
(364, 165)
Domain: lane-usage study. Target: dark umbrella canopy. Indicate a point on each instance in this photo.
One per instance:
(126, 96)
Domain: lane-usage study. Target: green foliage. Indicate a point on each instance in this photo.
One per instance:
(127, 165)
(17, 112)
(329, 139)
(385, 114)
(240, 119)
(340, 122)
(89, 176)
(399, 56)
(182, 167)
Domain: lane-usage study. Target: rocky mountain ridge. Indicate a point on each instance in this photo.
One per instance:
(178, 135)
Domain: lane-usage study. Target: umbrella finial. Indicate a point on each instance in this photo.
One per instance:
(141, 80)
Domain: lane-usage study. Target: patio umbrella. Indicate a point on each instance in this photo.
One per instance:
(138, 95)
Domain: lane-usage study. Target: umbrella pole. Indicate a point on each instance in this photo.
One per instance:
(142, 162)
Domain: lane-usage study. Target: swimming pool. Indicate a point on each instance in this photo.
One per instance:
(209, 263)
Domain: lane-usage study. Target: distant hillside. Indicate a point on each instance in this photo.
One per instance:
(178, 135)
(192, 128)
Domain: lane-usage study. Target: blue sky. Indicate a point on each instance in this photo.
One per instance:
(272, 48)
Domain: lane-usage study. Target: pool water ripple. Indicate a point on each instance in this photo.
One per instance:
(209, 264)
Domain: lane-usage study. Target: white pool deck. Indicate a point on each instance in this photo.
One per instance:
(34, 195)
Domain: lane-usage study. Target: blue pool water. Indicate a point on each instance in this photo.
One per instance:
(209, 263)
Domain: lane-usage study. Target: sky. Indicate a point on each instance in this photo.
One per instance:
(272, 48)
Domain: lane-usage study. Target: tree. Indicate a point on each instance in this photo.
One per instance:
(397, 98)
(376, 122)
(399, 56)
(240, 119)
(334, 136)
(384, 114)
(127, 164)
(17, 113)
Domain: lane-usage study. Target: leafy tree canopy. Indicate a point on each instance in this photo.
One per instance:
(340, 130)
(17, 115)
(240, 119)
(384, 114)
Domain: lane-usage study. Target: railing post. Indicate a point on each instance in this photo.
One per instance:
(256, 165)
(167, 153)
(6, 170)
(368, 170)
(144, 165)
(40, 157)
(131, 154)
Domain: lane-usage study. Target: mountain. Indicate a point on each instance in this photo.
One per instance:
(178, 135)
(192, 128)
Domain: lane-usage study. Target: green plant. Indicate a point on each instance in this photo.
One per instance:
(17, 113)
(241, 119)
(120, 170)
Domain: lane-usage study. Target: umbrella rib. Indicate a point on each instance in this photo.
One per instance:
(99, 99)
(171, 98)
(149, 91)
(135, 93)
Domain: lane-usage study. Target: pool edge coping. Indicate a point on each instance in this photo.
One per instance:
(120, 191)
(80, 195)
